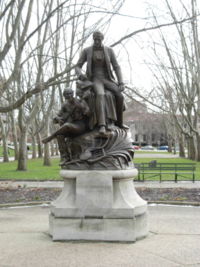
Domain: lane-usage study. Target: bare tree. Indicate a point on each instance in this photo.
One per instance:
(16, 15)
(176, 70)
(178, 75)
(4, 130)
(14, 134)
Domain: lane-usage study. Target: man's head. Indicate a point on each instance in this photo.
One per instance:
(68, 93)
(98, 38)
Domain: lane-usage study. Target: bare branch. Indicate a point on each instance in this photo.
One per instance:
(144, 98)
(2, 14)
(152, 28)
(38, 88)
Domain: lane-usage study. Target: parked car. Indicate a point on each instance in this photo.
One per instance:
(163, 148)
(147, 148)
(136, 147)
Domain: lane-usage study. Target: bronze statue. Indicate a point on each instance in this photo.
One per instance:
(99, 60)
(73, 121)
(92, 135)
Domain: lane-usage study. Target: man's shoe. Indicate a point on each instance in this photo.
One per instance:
(102, 130)
(123, 126)
(110, 126)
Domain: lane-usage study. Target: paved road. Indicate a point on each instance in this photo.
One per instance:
(173, 241)
(155, 155)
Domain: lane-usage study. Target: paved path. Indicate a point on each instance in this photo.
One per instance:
(59, 184)
(173, 241)
(12, 158)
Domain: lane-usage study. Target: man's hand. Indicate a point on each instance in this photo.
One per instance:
(121, 87)
(82, 77)
(57, 120)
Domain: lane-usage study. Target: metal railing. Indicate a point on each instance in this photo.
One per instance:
(177, 170)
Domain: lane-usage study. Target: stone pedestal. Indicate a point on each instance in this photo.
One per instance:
(98, 205)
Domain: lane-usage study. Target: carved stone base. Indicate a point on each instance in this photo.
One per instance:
(98, 205)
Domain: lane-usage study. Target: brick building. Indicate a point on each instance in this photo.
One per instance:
(146, 128)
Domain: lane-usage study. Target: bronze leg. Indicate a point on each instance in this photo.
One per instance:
(100, 102)
(112, 87)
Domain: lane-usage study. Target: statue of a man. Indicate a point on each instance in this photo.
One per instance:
(99, 60)
(73, 121)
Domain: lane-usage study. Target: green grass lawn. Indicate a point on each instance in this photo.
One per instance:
(36, 170)
(10, 151)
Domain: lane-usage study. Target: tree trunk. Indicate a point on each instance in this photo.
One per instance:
(39, 143)
(47, 160)
(195, 144)
(176, 141)
(4, 141)
(5, 149)
(34, 152)
(22, 161)
(198, 147)
(191, 149)
(181, 147)
(56, 148)
(14, 134)
(170, 144)
(52, 148)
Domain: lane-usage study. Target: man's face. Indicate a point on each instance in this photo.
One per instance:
(68, 95)
(98, 42)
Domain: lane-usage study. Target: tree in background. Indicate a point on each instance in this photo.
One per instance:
(40, 40)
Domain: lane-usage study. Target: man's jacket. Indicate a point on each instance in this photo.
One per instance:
(110, 60)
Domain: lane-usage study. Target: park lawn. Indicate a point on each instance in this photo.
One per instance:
(170, 160)
(11, 152)
(36, 170)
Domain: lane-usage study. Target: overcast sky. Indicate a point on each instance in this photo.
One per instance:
(138, 47)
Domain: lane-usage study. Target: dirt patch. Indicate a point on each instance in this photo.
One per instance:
(15, 195)
(170, 194)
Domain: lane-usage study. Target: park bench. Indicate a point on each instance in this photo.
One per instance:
(153, 169)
